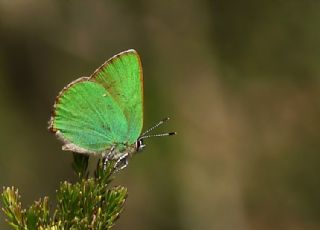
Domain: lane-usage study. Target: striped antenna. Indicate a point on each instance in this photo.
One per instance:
(158, 135)
(144, 136)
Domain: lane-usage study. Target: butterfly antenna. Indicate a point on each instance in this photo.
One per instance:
(158, 135)
(144, 136)
(155, 126)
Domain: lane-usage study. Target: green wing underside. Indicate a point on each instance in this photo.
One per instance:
(96, 113)
(122, 77)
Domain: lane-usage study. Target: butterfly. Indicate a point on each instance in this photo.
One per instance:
(103, 114)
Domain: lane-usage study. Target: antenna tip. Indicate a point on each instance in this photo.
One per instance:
(165, 119)
(173, 133)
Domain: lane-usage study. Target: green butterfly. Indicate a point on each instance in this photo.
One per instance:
(103, 114)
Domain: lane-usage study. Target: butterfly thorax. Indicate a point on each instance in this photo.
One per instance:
(121, 149)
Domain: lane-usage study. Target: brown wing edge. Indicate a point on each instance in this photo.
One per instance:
(113, 58)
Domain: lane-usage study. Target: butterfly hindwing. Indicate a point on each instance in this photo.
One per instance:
(88, 118)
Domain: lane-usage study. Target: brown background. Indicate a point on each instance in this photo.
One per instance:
(240, 80)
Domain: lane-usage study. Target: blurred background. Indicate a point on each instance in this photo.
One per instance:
(240, 80)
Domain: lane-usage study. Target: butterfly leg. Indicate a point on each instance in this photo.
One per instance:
(107, 156)
(122, 162)
(105, 162)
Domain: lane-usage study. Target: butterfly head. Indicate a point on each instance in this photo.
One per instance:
(140, 145)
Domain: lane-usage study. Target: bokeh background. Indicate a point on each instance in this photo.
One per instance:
(240, 80)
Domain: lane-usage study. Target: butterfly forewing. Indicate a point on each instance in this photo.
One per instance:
(122, 77)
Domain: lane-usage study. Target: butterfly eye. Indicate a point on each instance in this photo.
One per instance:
(139, 145)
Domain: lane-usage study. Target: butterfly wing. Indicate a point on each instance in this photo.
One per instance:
(122, 77)
(87, 118)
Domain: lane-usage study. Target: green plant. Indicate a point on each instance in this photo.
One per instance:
(87, 204)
